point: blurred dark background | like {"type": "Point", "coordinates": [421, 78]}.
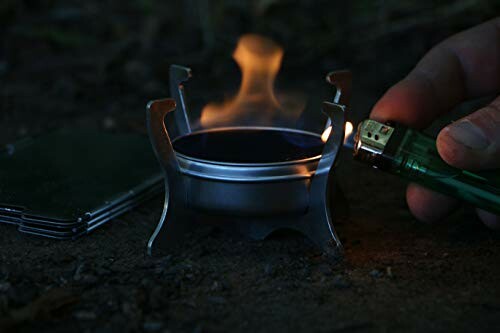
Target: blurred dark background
{"type": "Point", "coordinates": [97, 63]}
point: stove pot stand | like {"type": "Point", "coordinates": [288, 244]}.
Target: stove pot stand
{"type": "Point", "coordinates": [253, 197]}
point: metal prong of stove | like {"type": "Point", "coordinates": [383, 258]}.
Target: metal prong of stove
{"type": "Point", "coordinates": [342, 81]}
{"type": "Point", "coordinates": [179, 75]}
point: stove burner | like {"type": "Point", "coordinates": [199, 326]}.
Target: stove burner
{"type": "Point", "coordinates": [253, 180]}
{"type": "Point", "coordinates": [250, 145]}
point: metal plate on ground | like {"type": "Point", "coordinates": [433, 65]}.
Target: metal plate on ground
{"type": "Point", "coordinates": [66, 183]}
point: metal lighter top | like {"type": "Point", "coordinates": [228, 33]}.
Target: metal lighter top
{"type": "Point", "coordinates": [371, 139]}
{"type": "Point", "coordinates": [414, 156]}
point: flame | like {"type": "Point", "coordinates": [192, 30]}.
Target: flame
{"type": "Point", "coordinates": [259, 60]}
{"type": "Point", "coordinates": [347, 132]}
{"type": "Point", "coordinates": [326, 133]}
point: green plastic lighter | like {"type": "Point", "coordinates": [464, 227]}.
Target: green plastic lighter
{"type": "Point", "coordinates": [414, 156]}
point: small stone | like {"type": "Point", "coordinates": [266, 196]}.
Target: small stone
{"type": "Point", "coordinates": [10, 149]}
{"type": "Point", "coordinates": [109, 123]}
{"type": "Point", "coordinates": [375, 273]}
{"type": "Point", "coordinates": [215, 286]}
{"type": "Point", "coordinates": [78, 272]}
{"type": "Point", "coordinates": [388, 271]}
{"type": "Point", "coordinates": [269, 269]}
{"type": "Point", "coordinates": [22, 131]}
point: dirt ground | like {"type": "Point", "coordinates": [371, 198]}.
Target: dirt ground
{"type": "Point", "coordinates": [397, 275]}
{"type": "Point", "coordinates": [96, 65]}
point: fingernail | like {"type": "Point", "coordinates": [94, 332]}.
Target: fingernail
{"type": "Point", "coordinates": [468, 134]}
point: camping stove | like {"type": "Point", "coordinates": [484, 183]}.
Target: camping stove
{"type": "Point", "coordinates": [253, 180]}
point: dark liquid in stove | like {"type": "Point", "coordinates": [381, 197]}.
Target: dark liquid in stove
{"type": "Point", "coordinates": [249, 146]}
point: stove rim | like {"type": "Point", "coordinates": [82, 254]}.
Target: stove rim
{"type": "Point", "coordinates": [249, 165]}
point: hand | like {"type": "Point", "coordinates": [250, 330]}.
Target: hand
{"type": "Point", "coordinates": [464, 66]}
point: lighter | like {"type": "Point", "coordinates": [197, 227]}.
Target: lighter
{"type": "Point", "coordinates": [414, 156]}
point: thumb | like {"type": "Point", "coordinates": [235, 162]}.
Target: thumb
{"type": "Point", "coordinates": [473, 142]}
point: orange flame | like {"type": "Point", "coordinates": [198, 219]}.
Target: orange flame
{"type": "Point", "coordinates": [259, 60]}
{"type": "Point", "coordinates": [326, 133]}
{"type": "Point", "coordinates": [347, 132]}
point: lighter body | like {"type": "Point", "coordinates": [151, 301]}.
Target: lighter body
{"type": "Point", "coordinates": [413, 155]}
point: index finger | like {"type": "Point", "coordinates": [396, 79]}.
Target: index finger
{"type": "Point", "coordinates": [466, 65]}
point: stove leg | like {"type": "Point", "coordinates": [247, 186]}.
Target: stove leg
{"type": "Point", "coordinates": [320, 228]}
{"type": "Point", "coordinates": [174, 219]}
{"type": "Point", "coordinates": [316, 225]}
{"type": "Point", "coordinates": [174, 224]}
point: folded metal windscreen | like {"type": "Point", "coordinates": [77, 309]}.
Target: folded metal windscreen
{"type": "Point", "coordinates": [67, 183]}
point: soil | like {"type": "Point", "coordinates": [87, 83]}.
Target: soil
{"type": "Point", "coordinates": [397, 274]}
